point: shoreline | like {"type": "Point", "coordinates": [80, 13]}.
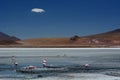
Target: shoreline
{"type": "Point", "coordinates": [60, 46]}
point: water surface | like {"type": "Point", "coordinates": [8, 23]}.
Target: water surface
{"type": "Point", "coordinates": [104, 63]}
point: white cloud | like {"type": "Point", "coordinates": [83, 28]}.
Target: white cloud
{"type": "Point", "coordinates": [38, 10]}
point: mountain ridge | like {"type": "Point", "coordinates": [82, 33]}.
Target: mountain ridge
{"type": "Point", "coordinates": [6, 39]}
{"type": "Point", "coordinates": [6, 36]}
{"type": "Point", "coordinates": [106, 38]}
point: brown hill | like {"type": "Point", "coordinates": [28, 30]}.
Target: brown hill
{"type": "Point", "coordinates": [114, 33]}
{"type": "Point", "coordinates": [104, 39]}
{"type": "Point", "coordinates": [6, 39]}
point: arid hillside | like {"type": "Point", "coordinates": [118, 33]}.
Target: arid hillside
{"type": "Point", "coordinates": [111, 38]}
{"type": "Point", "coordinates": [7, 40]}
{"type": "Point", "coordinates": [107, 39]}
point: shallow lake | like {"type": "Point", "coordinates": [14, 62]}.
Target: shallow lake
{"type": "Point", "coordinates": [104, 63]}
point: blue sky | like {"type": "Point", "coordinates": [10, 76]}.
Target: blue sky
{"type": "Point", "coordinates": [58, 18]}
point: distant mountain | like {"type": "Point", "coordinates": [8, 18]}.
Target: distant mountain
{"type": "Point", "coordinates": [3, 35]}
{"type": "Point", "coordinates": [117, 31]}
{"type": "Point", "coordinates": [6, 39]}
{"type": "Point", "coordinates": [113, 33]}
{"type": "Point", "coordinates": [109, 38]}
{"type": "Point", "coordinates": [106, 38]}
